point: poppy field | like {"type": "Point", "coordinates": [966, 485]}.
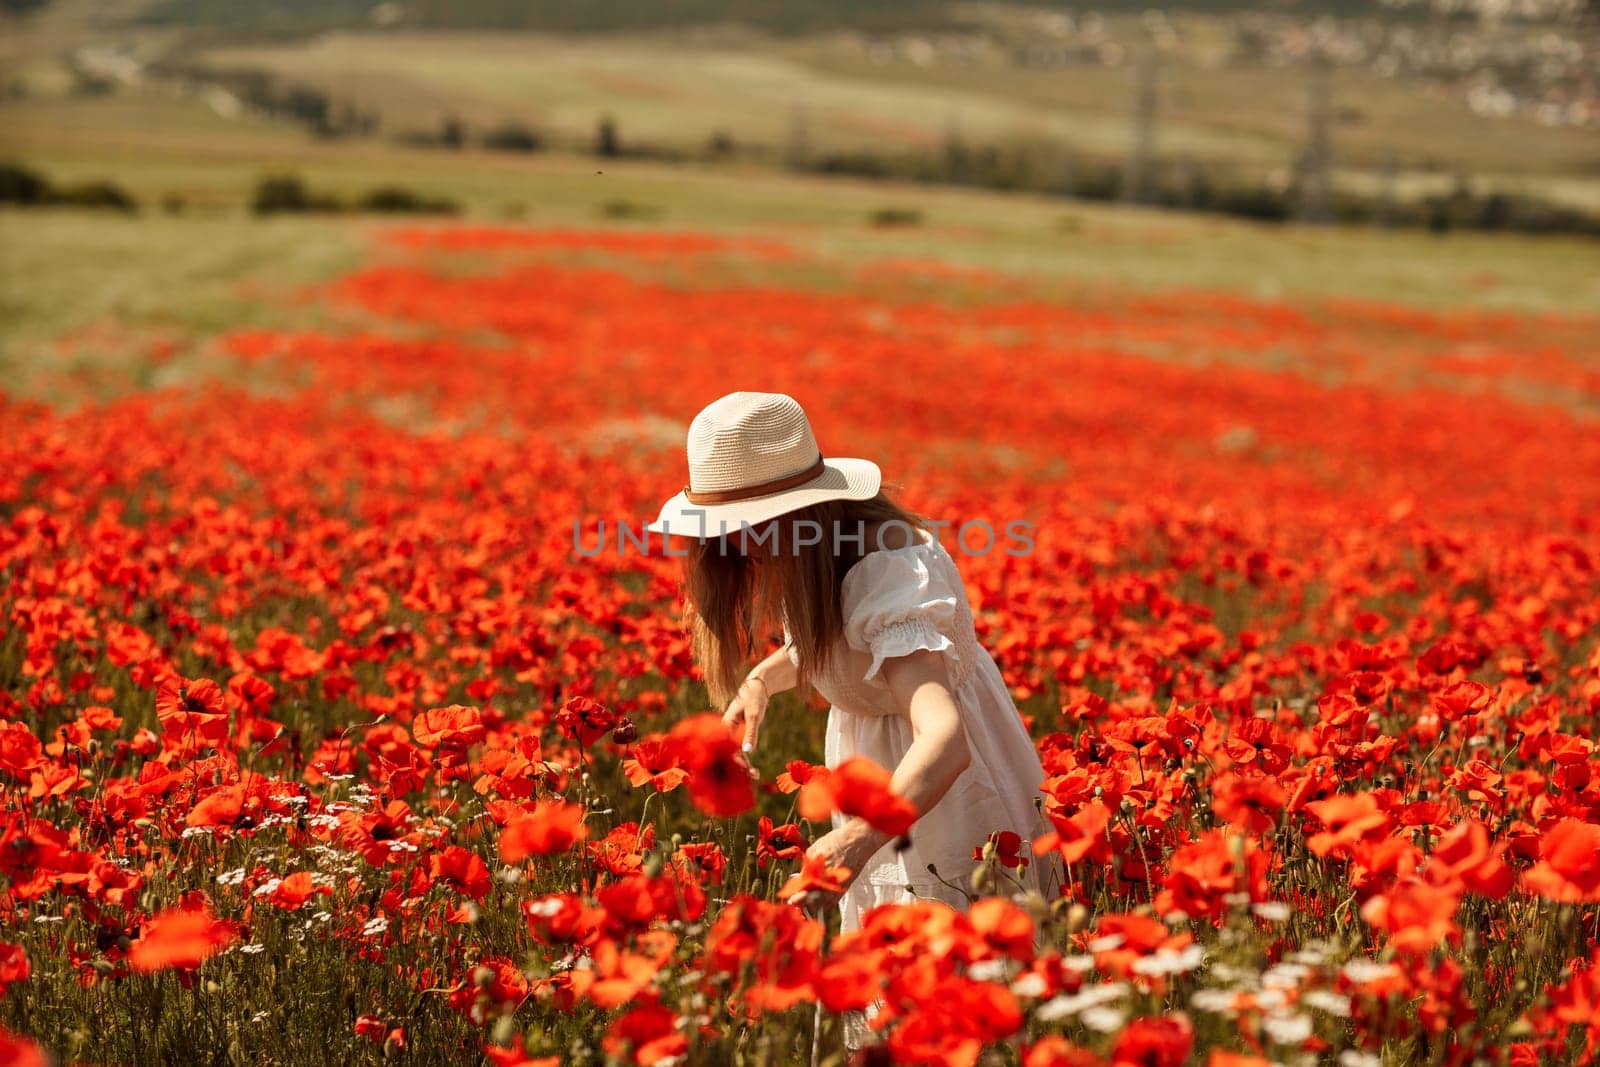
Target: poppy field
{"type": "Point", "coordinates": [338, 725]}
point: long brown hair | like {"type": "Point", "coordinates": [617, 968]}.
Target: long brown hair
{"type": "Point", "coordinates": [737, 600]}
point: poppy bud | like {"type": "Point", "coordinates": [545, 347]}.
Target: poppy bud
{"type": "Point", "coordinates": [625, 733]}
{"type": "Point", "coordinates": [1077, 919]}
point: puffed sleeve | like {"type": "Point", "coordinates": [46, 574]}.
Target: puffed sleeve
{"type": "Point", "coordinates": [896, 603]}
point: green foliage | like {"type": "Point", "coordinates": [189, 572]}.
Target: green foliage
{"type": "Point", "coordinates": [399, 200]}
{"type": "Point", "coordinates": [591, 16]}
{"type": "Point", "coordinates": [24, 186]}
{"type": "Point", "coordinates": [895, 216]}
{"type": "Point", "coordinates": [513, 137]}
{"type": "Point", "coordinates": [628, 209]}
{"type": "Point", "coordinates": [94, 194]}
{"type": "Point", "coordinates": [286, 193]}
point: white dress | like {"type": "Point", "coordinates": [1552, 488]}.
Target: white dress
{"type": "Point", "coordinates": [895, 602]}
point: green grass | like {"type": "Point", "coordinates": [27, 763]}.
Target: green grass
{"type": "Point", "coordinates": [1029, 235]}
{"type": "Point", "coordinates": [679, 89]}
{"type": "Point", "coordinates": [110, 285]}
{"type": "Point", "coordinates": [88, 300]}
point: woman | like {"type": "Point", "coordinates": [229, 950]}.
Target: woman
{"type": "Point", "coordinates": [875, 618]}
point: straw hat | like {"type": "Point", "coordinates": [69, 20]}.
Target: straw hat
{"type": "Point", "coordinates": [752, 457]}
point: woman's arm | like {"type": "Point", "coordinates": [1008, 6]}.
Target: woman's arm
{"type": "Point", "coordinates": [936, 758]}
{"type": "Point", "coordinates": [777, 671]}
{"type": "Point", "coordinates": [772, 675]}
{"type": "Point", "coordinates": [938, 752]}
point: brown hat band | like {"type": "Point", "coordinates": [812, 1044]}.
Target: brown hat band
{"type": "Point", "coordinates": [728, 496]}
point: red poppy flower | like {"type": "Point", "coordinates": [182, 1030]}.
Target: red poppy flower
{"type": "Point", "coordinates": [453, 727]}
{"type": "Point", "coordinates": [719, 783]}
{"type": "Point", "coordinates": [1348, 819]}
{"type": "Point", "coordinates": [1416, 916]}
{"type": "Point", "coordinates": [786, 842]}
{"type": "Point", "coordinates": [463, 871]}
{"type": "Point", "coordinates": [1007, 847]}
{"type": "Point", "coordinates": [647, 1034]}
{"type": "Point", "coordinates": [1057, 1051]}
{"type": "Point", "coordinates": [701, 859]}
{"type": "Point", "coordinates": [795, 774]}
{"type": "Point", "coordinates": [294, 890]}
{"type": "Point", "coordinates": [815, 876]}
{"type": "Point", "coordinates": [1479, 781]}
{"type": "Point", "coordinates": [622, 850]}
{"type": "Point", "coordinates": [193, 713]}
{"type": "Point", "coordinates": [1255, 743]}
{"type": "Point", "coordinates": [1250, 802]}
{"type": "Point", "coordinates": [652, 764]}
{"type": "Point", "coordinates": [585, 720]}
{"type": "Point", "coordinates": [1461, 699]}
{"type": "Point", "coordinates": [14, 966]}
{"type": "Point", "coordinates": [773, 946]}
{"type": "Point", "coordinates": [1465, 856]}
{"type": "Point", "coordinates": [516, 1055]}
{"type": "Point", "coordinates": [1223, 1058]}
{"type": "Point", "coordinates": [858, 786]}
{"type": "Point", "coordinates": [1078, 835]}
{"type": "Point", "coordinates": [1569, 864]}
{"type": "Point", "coordinates": [20, 750]}
{"type": "Point", "coordinates": [1160, 1041]}
{"type": "Point", "coordinates": [179, 938]}
{"type": "Point", "coordinates": [551, 826]}
{"type": "Point", "coordinates": [18, 1051]}
{"type": "Point", "coordinates": [1004, 927]}
{"type": "Point", "coordinates": [561, 918]}
{"type": "Point", "coordinates": [637, 901]}
{"type": "Point", "coordinates": [1205, 874]}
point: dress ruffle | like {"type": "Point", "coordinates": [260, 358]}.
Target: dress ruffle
{"type": "Point", "coordinates": [898, 602]}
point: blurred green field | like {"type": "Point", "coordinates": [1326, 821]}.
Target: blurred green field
{"type": "Point", "coordinates": [111, 284]}
{"type": "Point", "coordinates": [681, 89]}
{"type": "Point", "coordinates": [194, 262]}
{"type": "Point", "coordinates": [836, 91]}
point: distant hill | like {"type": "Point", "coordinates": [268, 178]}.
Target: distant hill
{"type": "Point", "coordinates": [288, 17]}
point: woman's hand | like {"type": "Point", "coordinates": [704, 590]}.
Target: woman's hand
{"type": "Point", "coordinates": [936, 759]}
{"type": "Point", "coordinates": [850, 846]}
{"type": "Point", "coordinates": [748, 709]}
